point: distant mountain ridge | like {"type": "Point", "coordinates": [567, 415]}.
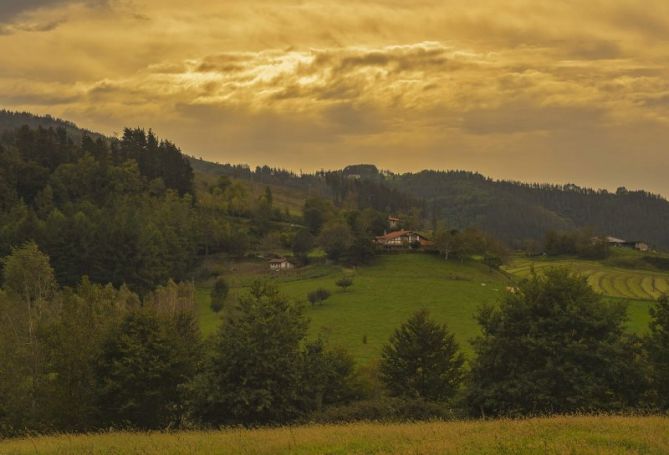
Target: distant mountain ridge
{"type": "Point", "coordinates": [513, 211]}
{"type": "Point", "coordinates": [10, 120]}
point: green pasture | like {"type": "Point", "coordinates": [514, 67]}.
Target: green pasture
{"type": "Point", "coordinates": [611, 281]}
{"type": "Point", "coordinates": [383, 296]}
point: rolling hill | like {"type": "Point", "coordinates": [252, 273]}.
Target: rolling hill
{"type": "Point", "coordinates": [513, 211]}
{"type": "Point", "coordinates": [385, 294]}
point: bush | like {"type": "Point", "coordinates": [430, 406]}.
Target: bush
{"type": "Point", "coordinates": [218, 294]}
{"type": "Point", "coordinates": [344, 283]}
{"type": "Point", "coordinates": [555, 346]}
{"type": "Point", "coordinates": [318, 296]}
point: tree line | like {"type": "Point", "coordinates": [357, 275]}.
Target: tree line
{"type": "Point", "coordinates": [93, 357]}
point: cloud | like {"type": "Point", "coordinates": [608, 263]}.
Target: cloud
{"type": "Point", "coordinates": [539, 90]}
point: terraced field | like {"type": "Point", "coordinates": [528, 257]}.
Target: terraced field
{"type": "Point", "coordinates": [607, 280]}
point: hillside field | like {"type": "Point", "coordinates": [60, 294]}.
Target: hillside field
{"type": "Point", "coordinates": [605, 279]}
{"type": "Point", "coordinates": [385, 294]}
{"type": "Point", "coordinates": [557, 435]}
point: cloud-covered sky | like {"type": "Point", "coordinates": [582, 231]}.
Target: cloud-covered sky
{"type": "Point", "coordinates": [533, 90]}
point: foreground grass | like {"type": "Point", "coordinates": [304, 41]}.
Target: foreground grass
{"type": "Point", "coordinates": [558, 435]}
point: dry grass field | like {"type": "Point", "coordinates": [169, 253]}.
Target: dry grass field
{"type": "Point", "coordinates": [557, 435]}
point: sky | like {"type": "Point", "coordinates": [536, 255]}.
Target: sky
{"type": "Point", "coordinates": [555, 91]}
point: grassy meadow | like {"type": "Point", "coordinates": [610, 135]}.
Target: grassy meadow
{"type": "Point", "coordinates": [362, 318]}
{"type": "Point", "coordinates": [556, 435]}
{"type": "Point", "coordinates": [633, 284]}
{"type": "Point", "coordinates": [383, 296]}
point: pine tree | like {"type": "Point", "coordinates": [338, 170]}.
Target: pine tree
{"type": "Point", "coordinates": [422, 360]}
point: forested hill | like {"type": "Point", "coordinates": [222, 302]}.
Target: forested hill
{"type": "Point", "coordinates": [13, 120]}
{"type": "Point", "coordinates": [517, 211]}
{"type": "Point", "coordinates": [513, 211]}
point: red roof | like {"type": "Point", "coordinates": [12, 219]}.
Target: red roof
{"type": "Point", "coordinates": [400, 233]}
{"type": "Point", "coordinates": [393, 235]}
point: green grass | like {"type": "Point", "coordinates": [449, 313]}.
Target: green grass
{"type": "Point", "coordinates": [382, 297]}
{"type": "Point", "coordinates": [557, 435]}
{"type": "Point", "coordinates": [606, 279]}
{"type": "Point", "coordinates": [637, 288]}
{"type": "Point", "coordinates": [385, 294]}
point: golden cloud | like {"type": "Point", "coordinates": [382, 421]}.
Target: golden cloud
{"type": "Point", "coordinates": [533, 90]}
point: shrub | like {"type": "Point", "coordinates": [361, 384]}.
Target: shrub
{"type": "Point", "coordinates": [318, 296]}
{"type": "Point", "coordinates": [344, 283]}
{"type": "Point", "coordinates": [218, 294]}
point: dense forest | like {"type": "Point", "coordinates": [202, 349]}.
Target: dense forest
{"type": "Point", "coordinates": [118, 211]}
{"type": "Point", "coordinates": [517, 211]}
{"type": "Point", "coordinates": [512, 211]}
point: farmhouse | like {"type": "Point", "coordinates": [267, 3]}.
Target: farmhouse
{"type": "Point", "coordinates": [634, 244]}
{"type": "Point", "coordinates": [279, 264]}
{"type": "Point", "coordinates": [403, 239]}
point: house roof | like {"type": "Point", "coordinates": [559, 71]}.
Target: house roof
{"type": "Point", "coordinates": [614, 240]}
{"type": "Point", "coordinates": [393, 218]}
{"type": "Point", "coordinates": [396, 234]}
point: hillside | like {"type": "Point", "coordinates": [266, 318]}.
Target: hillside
{"type": "Point", "coordinates": [558, 435]}
{"type": "Point", "coordinates": [517, 211]}
{"type": "Point", "coordinates": [362, 318]}
{"type": "Point", "coordinates": [11, 120]}
{"type": "Point", "coordinates": [513, 211]}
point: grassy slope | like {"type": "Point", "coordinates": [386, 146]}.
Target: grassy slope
{"type": "Point", "coordinates": [637, 288]}
{"type": "Point", "coordinates": [558, 435]}
{"type": "Point", "coordinates": [385, 294]}
{"type": "Point", "coordinates": [381, 298]}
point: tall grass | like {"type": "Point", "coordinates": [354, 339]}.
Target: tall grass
{"type": "Point", "coordinates": [556, 435]}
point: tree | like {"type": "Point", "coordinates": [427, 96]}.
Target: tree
{"type": "Point", "coordinates": [140, 375]}
{"type": "Point", "coordinates": [493, 262]}
{"type": "Point", "coordinates": [344, 282]}
{"type": "Point", "coordinates": [318, 296]}
{"type": "Point", "coordinates": [219, 294]}
{"type": "Point", "coordinates": [554, 346]}
{"type": "Point", "coordinates": [335, 238]}
{"type": "Point", "coordinates": [303, 242]}
{"type": "Point", "coordinates": [329, 376]}
{"type": "Point", "coordinates": [657, 348]}
{"type": "Point", "coordinates": [316, 212]}
{"type": "Point", "coordinates": [29, 281]}
{"type": "Point", "coordinates": [253, 375]}
{"type": "Point", "coordinates": [422, 360]}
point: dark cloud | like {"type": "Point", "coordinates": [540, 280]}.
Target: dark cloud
{"type": "Point", "coordinates": [12, 14]}
{"type": "Point", "coordinates": [11, 9]}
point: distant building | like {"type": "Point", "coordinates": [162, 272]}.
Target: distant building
{"type": "Point", "coordinates": [640, 246]}
{"type": "Point", "coordinates": [613, 241]}
{"type": "Point", "coordinates": [279, 264]}
{"type": "Point", "coordinates": [403, 239]}
{"type": "Point", "coordinates": [393, 222]}
{"type": "Point", "coordinates": [634, 244]}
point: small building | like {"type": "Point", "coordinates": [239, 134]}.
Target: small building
{"type": "Point", "coordinates": [614, 241]}
{"type": "Point", "coordinates": [637, 245]}
{"type": "Point", "coordinates": [279, 264]}
{"type": "Point", "coordinates": [403, 240]}
{"type": "Point", "coordinates": [634, 244]}
{"type": "Point", "coordinates": [393, 222]}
